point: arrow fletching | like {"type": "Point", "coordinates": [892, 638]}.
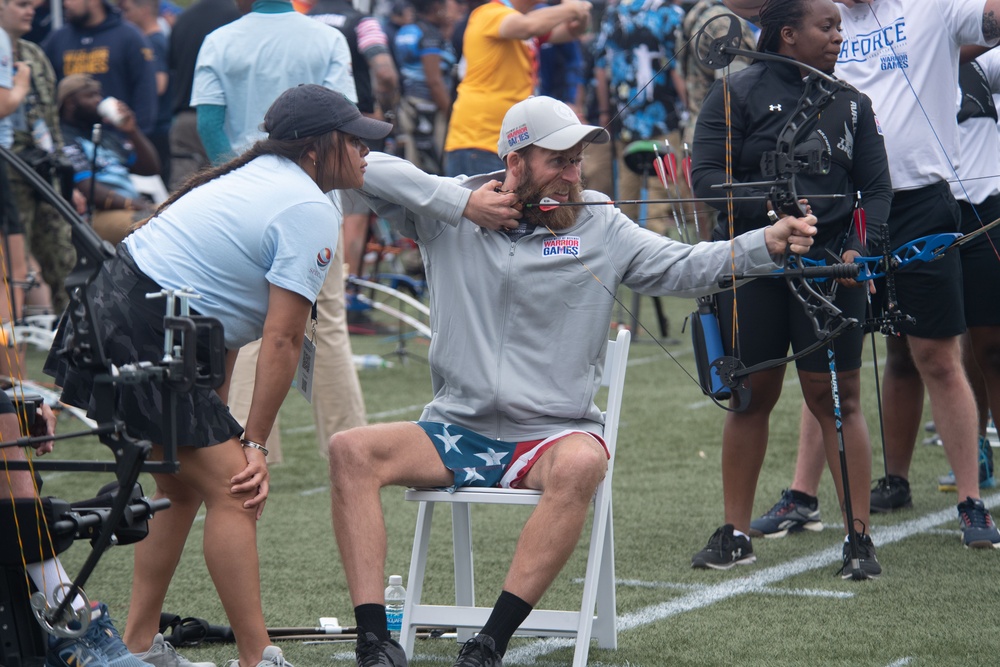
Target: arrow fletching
{"type": "Point", "coordinates": [670, 162]}
{"type": "Point", "coordinates": [860, 225]}
{"type": "Point", "coordinates": [658, 167]}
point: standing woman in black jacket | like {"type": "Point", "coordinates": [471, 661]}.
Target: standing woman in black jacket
{"type": "Point", "coordinates": [761, 99]}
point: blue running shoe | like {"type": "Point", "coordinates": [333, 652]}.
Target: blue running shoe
{"type": "Point", "coordinates": [73, 652]}
{"type": "Point", "coordinates": [103, 635]}
{"type": "Point", "coordinates": [788, 515]}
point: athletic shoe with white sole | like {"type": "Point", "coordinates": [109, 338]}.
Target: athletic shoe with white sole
{"type": "Point", "coordinates": [724, 550]}
{"type": "Point", "coordinates": [162, 654]}
{"type": "Point", "coordinates": [789, 515]}
{"type": "Point", "coordinates": [270, 657]}
{"type": "Point", "coordinates": [978, 529]}
{"type": "Point", "coordinates": [867, 567]}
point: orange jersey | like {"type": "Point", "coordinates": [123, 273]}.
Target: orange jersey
{"type": "Point", "coordinates": [499, 73]}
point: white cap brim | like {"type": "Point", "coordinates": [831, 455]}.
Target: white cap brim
{"type": "Point", "coordinates": [568, 137]}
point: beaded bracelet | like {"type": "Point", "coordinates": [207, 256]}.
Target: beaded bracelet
{"type": "Point", "coordinates": [254, 445]}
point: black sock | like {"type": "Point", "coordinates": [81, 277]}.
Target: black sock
{"type": "Point", "coordinates": [371, 618]}
{"type": "Point", "coordinates": [805, 498]}
{"type": "Point", "coordinates": [508, 614]}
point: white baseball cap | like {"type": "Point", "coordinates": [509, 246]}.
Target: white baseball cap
{"type": "Point", "coordinates": [545, 122]}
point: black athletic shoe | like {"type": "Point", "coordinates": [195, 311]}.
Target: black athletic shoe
{"type": "Point", "coordinates": [868, 567]}
{"type": "Point", "coordinates": [373, 652]}
{"type": "Point", "coordinates": [890, 493]}
{"type": "Point", "coordinates": [978, 529]}
{"type": "Point", "coordinates": [724, 550]}
{"type": "Point", "coordinates": [480, 651]}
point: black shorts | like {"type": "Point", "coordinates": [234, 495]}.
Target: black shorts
{"type": "Point", "coordinates": [929, 292]}
{"type": "Point", "coordinates": [130, 328]}
{"type": "Point", "coordinates": [771, 319]}
{"type": "Point", "coordinates": [981, 264]}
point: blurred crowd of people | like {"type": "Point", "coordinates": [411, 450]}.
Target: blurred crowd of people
{"type": "Point", "coordinates": [427, 66]}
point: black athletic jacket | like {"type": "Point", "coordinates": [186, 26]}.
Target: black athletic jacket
{"type": "Point", "coordinates": [763, 97]}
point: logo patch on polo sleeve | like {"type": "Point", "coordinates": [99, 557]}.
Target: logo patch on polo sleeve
{"type": "Point", "coordinates": [323, 258]}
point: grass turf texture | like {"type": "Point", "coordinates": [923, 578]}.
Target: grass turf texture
{"type": "Point", "coordinates": [936, 603]}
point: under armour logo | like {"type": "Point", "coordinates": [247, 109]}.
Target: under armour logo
{"type": "Point", "coordinates": [774, 107]}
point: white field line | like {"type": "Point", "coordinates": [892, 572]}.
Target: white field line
{"type": "Point", "coordinates": [755, 582]}
{"type": "Point", "coordinates": [900, 662]}
{"type": "Point", "coordinates": [803, 592]}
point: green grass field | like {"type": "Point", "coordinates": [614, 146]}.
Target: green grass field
{"type": "Point", "coordinates": [937, 604]}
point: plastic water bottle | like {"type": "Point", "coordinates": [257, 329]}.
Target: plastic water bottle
{"type": "Point", "coordinates": [370, 361]}
{"type": "Point", "coordinates": [395, 597]}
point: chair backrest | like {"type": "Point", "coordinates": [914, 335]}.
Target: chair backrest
{"type": "Point", "coordinates": [615, 360]}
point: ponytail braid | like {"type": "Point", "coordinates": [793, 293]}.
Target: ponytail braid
{"type": "Point", "coordinates": [775, 15]}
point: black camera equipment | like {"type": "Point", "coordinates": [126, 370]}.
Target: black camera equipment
{"type": "Point", "coordinates": [114, 516]}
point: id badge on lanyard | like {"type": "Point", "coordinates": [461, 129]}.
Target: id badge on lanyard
{"type": "Point", "coordinates": [307, 358]}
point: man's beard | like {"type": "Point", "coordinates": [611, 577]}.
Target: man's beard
{"type": "Point", "coordinates": [558, 218]}
{"type": "Point", "coordinates": [79, 20]}
{"type": "Point", "coordinates": [86, 118]}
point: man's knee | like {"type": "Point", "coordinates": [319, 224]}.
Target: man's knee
{"type": "Point", "coordinates": [938, 359]}
{"type": "Point", "coordinates": [986, 354]}
{"type": "Point", "coordinates": [899, 361]}
{"type": "Point", "coordinates": [579, 466]}
{"type": "Point", "coordinates": [349, 455]}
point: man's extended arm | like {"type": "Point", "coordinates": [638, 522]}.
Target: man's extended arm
{"type": "Point", "coordinates": [386, 81]}
{"type": "Point", "coordinates": [541, 21]}
{"type": "Point", "coordinates": [11, 98]}
{"type": "Point", "coordinates": [399, 183]}
{"type": "Point", "coordinates": [991, 20]}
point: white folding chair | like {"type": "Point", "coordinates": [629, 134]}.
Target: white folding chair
{"type": "Point", "coordinates": [599, 581]}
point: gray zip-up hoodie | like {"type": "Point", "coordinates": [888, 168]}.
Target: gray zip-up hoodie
{"type": "Point", "coordinates": [519, 328]}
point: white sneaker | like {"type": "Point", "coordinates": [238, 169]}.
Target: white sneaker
{"type": "Point", "coordinates": [271, 657]}
{"type": "Point", "coordinates": [162, 654]}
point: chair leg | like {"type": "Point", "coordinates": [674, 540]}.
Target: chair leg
{"type": "Point", "coordinates": [465, 586]}
{"type": "Point", "coordinates": [600, 546]}
{"type": "Point", "coordinates": [415, 582]}
{"type": "Point", "coordinates": [606, 627]}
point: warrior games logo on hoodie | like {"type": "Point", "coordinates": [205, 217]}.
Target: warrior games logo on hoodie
{"type": "Point", "coordinates": [564, 245]}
